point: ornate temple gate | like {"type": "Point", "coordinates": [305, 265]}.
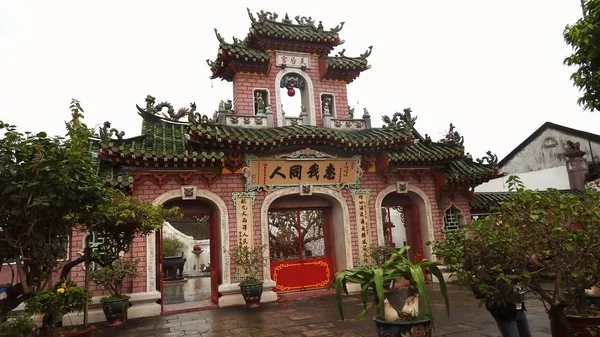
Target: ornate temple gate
{"type": "Point", "coordinates": [300, 248]}
{"type": "Point", "coordinates": [406, 215]}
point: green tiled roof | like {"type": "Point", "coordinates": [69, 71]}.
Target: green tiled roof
{"type": "Point", "coordinates": [271, 138]}
{"type": "Point", "coordinates": [162, 141]}
{"type": "Point", "coordinates": [344, 68]}
{"type": "Point", "coordinates": [484, 201]}
{"type": "Point", "coordinates": [303, 29]}
{"type": "Point", "coordinates": [238, 53]}
{"type": "Point", "coordinates": [426, 153]}
{"type": "Point", "coordinates": [468, 171]}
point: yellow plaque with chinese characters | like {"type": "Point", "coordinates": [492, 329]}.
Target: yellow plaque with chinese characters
{"type": "Point", "coordinates": [291, 170]}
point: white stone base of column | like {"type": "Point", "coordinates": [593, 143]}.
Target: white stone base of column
{"type": "Point", "coordinates": [143, 305]}
{"type": "Point", "coordinates": [231, 294]}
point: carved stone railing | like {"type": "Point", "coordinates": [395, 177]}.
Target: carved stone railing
{"type": "Point", "coordinates": [293, 121]}
{"type": "Point", "coordinates": [251, 121]}
{"type": "Point", "coordinates": [348, 124]}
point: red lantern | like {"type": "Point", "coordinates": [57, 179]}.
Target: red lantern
{"type": "Point", "coordinates": [291, 92]}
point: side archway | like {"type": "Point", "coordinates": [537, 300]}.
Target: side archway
{"type": "Point", "coordinates": [345, 259]}
{"type": "Point", "coordinates": [209, 197]}
{"type": "Point", "coordinates": [310, 91]}
{"type": "Point", "coordinates": [427, 217]}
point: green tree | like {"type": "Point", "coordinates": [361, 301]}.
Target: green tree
{"type": "Point", "coordinates": [584, 38]}
{"type": "Point", "coordinates": [48, 185]}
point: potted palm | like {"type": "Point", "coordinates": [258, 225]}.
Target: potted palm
{"type": "Point", "coordinates": [532, 239]}
{"type": "Point", "coordinates": [111, 278]}
{"type": "Point", "coordinates": [409, 321]}
{"type": "Point", "coordinates": [63, 298]}
{"type": "Point", "coordinates": [250, 261]}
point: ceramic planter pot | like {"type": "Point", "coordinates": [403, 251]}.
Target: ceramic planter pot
{"type": "Point", "coordinates": [416, 328]}
{"type": "Point", "coordinates": [115, 310]}
{"type": "Point", "coordinates": [583, 326]}
{"type": "Point", "coordinates": [252, 293]}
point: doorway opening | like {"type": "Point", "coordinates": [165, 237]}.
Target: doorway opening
{"type": "Point", "coordinates": [300, 244]}
{"type": "Point", "coordinates": [189, 258]}
{"type": "Point", "coordinates": [402, 225]}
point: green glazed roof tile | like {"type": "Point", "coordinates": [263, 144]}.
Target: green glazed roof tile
{"type": "Point", "coordinates": [468, 171]}
{"type": "Point", "coordinates": [422, 153]}
{"type": "Point", "coordinates": [270, 136]}
{"type": "Point", "coordinates": [483, 201]}
{"type": "Point", "coordinates": [305, 33]}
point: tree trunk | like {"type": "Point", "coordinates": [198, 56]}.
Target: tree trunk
{"type": "Point", "coordinates": [558, 317]}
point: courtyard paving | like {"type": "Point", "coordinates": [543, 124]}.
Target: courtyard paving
{"type": "Point", "coordinates": [318, 316]}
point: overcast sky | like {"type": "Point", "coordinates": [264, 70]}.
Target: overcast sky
{"type": "Point", "coordinates": [493, 68]}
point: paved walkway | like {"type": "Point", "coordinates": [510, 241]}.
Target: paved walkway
{"type": "Point", "coordinates": [318, 316]}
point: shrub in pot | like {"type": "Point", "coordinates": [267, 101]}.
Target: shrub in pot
{"type": "Point", "coordinates": [63, 298]}
{"type": "Point", "coordinates": [409, 321]}
{"type": "Point", "coordinates": [528, 239]}
{"type": "Point", "coordinates": [250, 261]}
{"type": "Point", "coordinates": [111, 278]}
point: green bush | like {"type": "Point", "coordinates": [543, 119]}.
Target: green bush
{"type": "Point", "coordinates": [170, 245]}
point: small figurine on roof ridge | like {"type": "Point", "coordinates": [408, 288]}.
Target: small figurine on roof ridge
{"type": "Point", "coordinates": [106, 132]}
{"type": "Point", "coordinates": [350, 112]}
{"type": "Point", "coordinates": [489, 159]}
{"type": "Point", "coordinates": [400, 121]}
{"type": "Point", "coordinates": [453, 137]}
{"type": "Point", "coordinates": [154, 110]}
{"type": "Point", "coordinates": [573, 146]}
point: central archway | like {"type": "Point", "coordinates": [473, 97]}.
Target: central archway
{"type": "Point", "coordinates": [341, 225]}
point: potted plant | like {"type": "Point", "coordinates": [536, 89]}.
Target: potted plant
{"type": "Point", "coordinates": [530, 239]}
{"type": "Point", "coordinates": [63, 298]}
{"type": "Point", "coordinates": [171, 260]}
{"type": "Point", "coordinates": [409, 321]}
{"type": "Point", "coordinates": [111, 278]}
{"type": "Point", "coordinates": [379, 254]}
{"type": "Point", "coordinates": [19, 325]}
{"type": "Point", "coordinates": [250, 261]}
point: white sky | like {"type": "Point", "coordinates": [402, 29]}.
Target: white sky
{"type": "Point", "coordinates": [493, 68]}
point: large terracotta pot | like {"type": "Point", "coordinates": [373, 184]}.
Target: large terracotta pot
{"type": "Point", "coordinates": [583, 326]}
{"type": "Point", "coordinates": [79, 333]}
{"type": "Point", "coordinates": [115, 310]}
{"type": "Point", "coordinates": [416, 328]}
{"type": "Point", "coordinates": [252, 293]}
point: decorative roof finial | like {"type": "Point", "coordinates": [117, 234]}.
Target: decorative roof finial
{"type": "Point", "coordinates": [337, 28]}
{"type": "Point", "coordinates": [341, 53]}
{"type": "Point", "coordinates": [305, 20]}
{"type": "Point", "coordinates": [250, 15]}
{"type": "Point", "coordinates": [367, 53]}
{"type": "Point", "coordinates": [286, 19]}
{"type": "Point", "coordinates": [400, 121]}
{"type": "Point", "coordinates": [320, 27]}
{"type": "Point", "coordinates": [453, 137]}
{"type": "Point", "coordinates": [219, 37]}
{"type": "Point", "coordinates": [106, 132]}
{"type": "Point", "coordinates": [490, 159]}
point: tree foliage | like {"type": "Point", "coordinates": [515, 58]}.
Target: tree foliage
{"type": "Point", "coordinates": [532, 236]}
{"type": "Point", "coordinates": [584, 38]}
{"type": "Point", "coordinates": [47, 184]}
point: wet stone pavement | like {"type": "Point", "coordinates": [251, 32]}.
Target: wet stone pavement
{"type": "Point", "coordinates": [318, 316]}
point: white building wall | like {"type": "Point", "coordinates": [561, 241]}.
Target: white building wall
{"type": "Point", "coordinates": [555, 177]}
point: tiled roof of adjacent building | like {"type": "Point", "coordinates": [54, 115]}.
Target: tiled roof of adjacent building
{"type": "Point", "coordinates": [484, 201]}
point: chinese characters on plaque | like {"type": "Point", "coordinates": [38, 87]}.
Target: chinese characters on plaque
{"type": "Point", "coordinates": [361, 204]}
{"type": "Point", "coordinates": [293, 172]}
{"type": "Point", "coordinates": [293, 60]}
{"type": "Point", "coordinates": [244, 215]}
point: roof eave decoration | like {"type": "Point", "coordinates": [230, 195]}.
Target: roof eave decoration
{"type": "Point", "coordinates": [344, 68]}
{"type": "Point", "coordinates": [237, 57]}
{"type": "Point", "coordinates": [154, 113]}
{"type": "Point", "coordinates": [400, 121]}
{"type": "Point", "coordinates": [303, 36]}
{"type": "Point", "coordinates": [452, 137]}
